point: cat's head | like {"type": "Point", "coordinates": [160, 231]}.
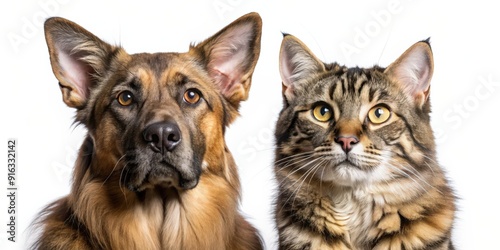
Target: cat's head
{"type": "Point", "coordinates": [354, 125]}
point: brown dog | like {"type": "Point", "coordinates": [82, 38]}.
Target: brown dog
{"type": "Point", "coordinates": [154, 171]}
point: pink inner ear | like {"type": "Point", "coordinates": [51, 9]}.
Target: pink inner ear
{"type": "Point", "coordinates": [285, 69]}
{"type": "Point", "coordinates": [227, 71]}
{"type": "Point", "coordinates": [286, 72]}
{"type": "Point", "coordinates": [413, 71]}
{"type": "Point", "coordinates": [76, 73]}
{"type": "Point", "coordinates": [226, 84]}
{"type": "Point", "coordinates": [229, 58]}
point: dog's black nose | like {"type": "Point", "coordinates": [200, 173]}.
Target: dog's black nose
{"type": "Point", "coordinates": [162, 135]}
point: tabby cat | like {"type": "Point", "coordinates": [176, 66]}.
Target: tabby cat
{"type": "Point", "coordinates": [355, 160]}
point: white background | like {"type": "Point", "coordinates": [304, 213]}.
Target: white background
{"type": "Point", "coordinates": [465, 89]}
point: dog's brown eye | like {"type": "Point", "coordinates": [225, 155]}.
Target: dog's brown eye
{"type": "Point", "coordinates": [125, 98]}
{"type": "Point", "coordinates": [192, 96]}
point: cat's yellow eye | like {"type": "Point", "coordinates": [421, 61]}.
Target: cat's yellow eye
{"type": "Point", "coordinates": [125, 98]}
{"type": "Point", "coordinates": [379, 114]}
{"type": "Point", "coordinates": [322, 112]}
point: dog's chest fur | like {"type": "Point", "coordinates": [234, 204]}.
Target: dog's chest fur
{"type": "Point", "coordinates": [160, 219]}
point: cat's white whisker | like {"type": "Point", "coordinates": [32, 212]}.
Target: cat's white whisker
{"type": "Point", "coordinates": [407, 175]}
{"type": "Point", "coordinates": [309, 172]}
{"type": "Point", "coordinates": [292, 157]}
{"type": "Point", "coordinates": [295, 182]}
{"type": "Point", "coordinates": [295, 163]}
{"type": "Point", "coordinates": [408, 171]}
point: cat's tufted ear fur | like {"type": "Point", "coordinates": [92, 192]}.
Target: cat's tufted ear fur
{"type": "Point", "coordinates": [297, 64]}
{"type": "Point", "coordinates": [412, 71]}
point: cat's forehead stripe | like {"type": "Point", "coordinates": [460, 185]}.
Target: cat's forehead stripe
{"type": "Point", "coordinates": [349, 83]}
{"type": "Point", "coordinates": [371, 94]}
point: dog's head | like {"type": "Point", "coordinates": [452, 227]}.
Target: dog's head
{"type": "Point", "coordinates": [155, 119]}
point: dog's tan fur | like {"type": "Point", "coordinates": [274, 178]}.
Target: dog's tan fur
{"type": "Point", "coordinates": [101, 212]}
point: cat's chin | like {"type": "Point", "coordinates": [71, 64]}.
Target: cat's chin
{"type": "Point", "coordinates": [345, 174]}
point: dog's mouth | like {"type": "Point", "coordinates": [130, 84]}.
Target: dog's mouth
{"type": "Point", "coordinates": [163, 175]}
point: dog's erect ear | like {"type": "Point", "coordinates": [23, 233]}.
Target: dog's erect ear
{"type": "Point", "coordinates": [412, 71]}
{"type": "Point", "coordinates": [78, 59]}
{"type": "Point", "coordinates": [231, 55]}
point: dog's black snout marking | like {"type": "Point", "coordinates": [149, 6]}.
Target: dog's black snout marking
{"type": "Point", "coordinates": [162, 135]}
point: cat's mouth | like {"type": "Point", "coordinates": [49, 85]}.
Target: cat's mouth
{"type": "Point", "coordinates": [355, 161]}
{"type": "Point", "coordinates": [347, 161]}
{"type": "Point", "coordinates": [348, 164]}
{"type": "Point", "coordinates": [345, 173]}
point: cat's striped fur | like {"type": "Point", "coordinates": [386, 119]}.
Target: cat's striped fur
{"type": "Point", "coordinates": [355, 159]}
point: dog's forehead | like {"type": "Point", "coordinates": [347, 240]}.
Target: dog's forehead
{"type": "Point", "coordinates": [160, 67]}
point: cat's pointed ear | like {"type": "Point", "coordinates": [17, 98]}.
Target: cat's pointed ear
{"type": "Point", "coordinates": [231, 55]}
{"type": "Point", "coordinates": [77, 57]}
{"type": "Point", "coordinates": [297, 63]}
{"type": "Point", "coordinates": [413, 71]}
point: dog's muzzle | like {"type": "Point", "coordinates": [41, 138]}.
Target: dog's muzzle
{"type": "Point", "coordinates": [169, 161]}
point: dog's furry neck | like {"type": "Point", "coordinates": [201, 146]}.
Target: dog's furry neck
{"type": "Point", "coordinates": [113, 217]}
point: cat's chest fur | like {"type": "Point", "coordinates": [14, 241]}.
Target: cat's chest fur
{"type": "Point", "coordinates": [352, 211]}
{"type": "Point", "coordinates": [363, 214]}
{"type": "Point", "coordinates": [354, 216]}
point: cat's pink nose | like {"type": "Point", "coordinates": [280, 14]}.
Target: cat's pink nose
{"type": "Point", "coordinates": [347, 142]}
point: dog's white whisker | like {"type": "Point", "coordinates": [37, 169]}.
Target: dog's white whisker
{"type": "Point", "coordinates": [113, 170]}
